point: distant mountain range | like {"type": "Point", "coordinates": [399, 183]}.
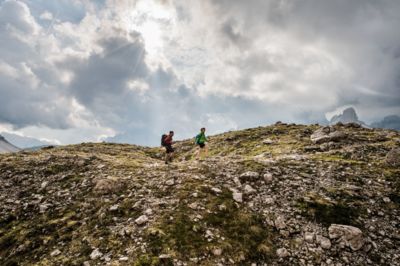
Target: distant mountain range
{"type": "Point", "coordinates": [13, 143]}
{"type": "Point", "coordinates": [6, 147]}
{"type": "Point", "coordinates": [389, 122]}
{"type": "Point", "coordinates": [349, 115]}
{"type": "Point", "coordinates": [24, 142]}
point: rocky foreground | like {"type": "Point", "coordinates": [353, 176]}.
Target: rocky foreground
{"type": "Point", "coordinates": [277, 195]}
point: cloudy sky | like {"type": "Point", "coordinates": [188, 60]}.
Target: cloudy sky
{"type": "Point", "coordinates": [128, 70]}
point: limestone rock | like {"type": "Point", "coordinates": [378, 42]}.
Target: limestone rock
{"type": "Point", "coordinates": [327, 134]}
{"type": "Point", "coordinates": [238, 197]}
{"type": "Point", "coordinates": [249, 189]}
{"type": "Point", "coordinates": [170, 182]}
{"type": "Point", "coordinates": [267, 141]}
{"type": "Point", "coordinates": [249, 176]}
{"type": "Point", "coordinates": [309, 237]}
{"type": "Point", "coordinates": [282, 253]}
{"type": "Point", "coordinates": [393, 157]}
{"type": "Point", "coordinates": [108, 185]}
{"type": "Point", "coordinates": [268, 178]}
{"type": "Point", "coordinates": [55, 253]}
{"type": "Point", "coordinates": [142, 220]}
{"type": "Point", "coordinates": [349, 235]}
{"type": "Point", "coordinates": [96, 254]}
{"type": "Point", "coordinates": [217, 252]}
{"type": "Point", "coordinates": [324, 242]}
{"type": "Point", "coordinates": [280, 222]}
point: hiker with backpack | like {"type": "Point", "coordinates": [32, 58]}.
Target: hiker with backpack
{"type": "Point", "coordinates": [166, 141]}
{"type": "Point", "coordinates": [201, 142]}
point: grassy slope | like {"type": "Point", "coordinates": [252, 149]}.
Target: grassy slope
{"type": "Point", "coordinates": [79, 219]}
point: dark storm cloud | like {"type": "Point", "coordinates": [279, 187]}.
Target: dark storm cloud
{"type": "Point", "coordinates": [107, 73]}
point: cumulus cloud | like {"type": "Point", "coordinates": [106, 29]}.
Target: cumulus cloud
{"type": "Point", "coordinates": [129, 70]}
{"type": "Point", "coordinates": [306, 54]}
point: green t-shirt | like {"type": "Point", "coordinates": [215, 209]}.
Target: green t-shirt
{"type": "Point", "coordinates": [201, 138]}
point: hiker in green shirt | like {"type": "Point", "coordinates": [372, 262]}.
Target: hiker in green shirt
{"type": "Point", "coordinates": [201, 142]}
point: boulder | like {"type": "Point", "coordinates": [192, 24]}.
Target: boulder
{"type": "Point", "coordinates": [309, 237]}
{"type": "Point", "coordinates": [324, 242]}
{"type": "Point", "coordinates": [108, 185]}
{"type": "Point", "coordinates": [238, 197]}
{"type": "Point", "coordinates": [280, 222]}
{"type": "Point", "coordinates": [282, 253]}
{"type": "Point", "coordinates": [249, 189]}
{"type": "Point", "coordinates": [55, 253]}
{"type": "Point", "coordinates": [393, 157]}
{"type": "Point", "coordinates": [348, 235]}
{"type": "Point", "coordinates": [267, 141]}
{"type": "Point", "coordinates": [268, 178]}
{"type": "Point", "coordinates": [249, 176]}
{"type": "Point", "coordinates": [96, 254]}
{"type": "Point", "coordinates": [327, 134]}
{"type": "Point", "coordinates": [141, 220]}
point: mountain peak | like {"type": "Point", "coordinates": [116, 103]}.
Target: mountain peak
{"type": "Point", "coordinates": [349, 115]}
{"type": "Point", "coordinates": [6, 147]}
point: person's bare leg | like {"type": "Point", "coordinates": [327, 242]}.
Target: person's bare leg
{"type": "Point", "coordinates": [197, 153]}
{"type": "Point", "coordinates": [202, 153]}
{"type": "Point", "coordinates": [206, 150]}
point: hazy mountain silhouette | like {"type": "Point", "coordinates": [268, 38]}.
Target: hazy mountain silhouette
{"type": "Point", "coordinates": [389, 122]}
{"type": "Point", "coordinates": [6, 147]}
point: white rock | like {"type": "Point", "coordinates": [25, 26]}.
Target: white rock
{"type": "Point", "coordinates": [44, 184]}
{"type": "Point", "coordinates": [216, 190]}
{"type": "Point", "coordinates": [249, 176]}
{"type": "Point", "coordinates": [114, 207]}
{"type": "Point", "coordinates": [217, 252]}
{"type": "Point", "coordinates": [170, 182]}
{"type": "Point", "coordinates": [309, 237]}
{"type": "Point", "coordinates": [100, 166]}
{"type": "Point", "coordinates": [43, 208]}
{"type": "Point", "coordinates": [193, 205]}
{"type": "Point", "coordinates": [269, 200]}
{"type": "Point", "coordinates": [268, 141]}
{"type": "Point", "coordinates": [324, 242]}
{"type": "Point", "coordinates": [124, 259]}
{"type": "Point", "coordinates": [386, 199]}
{"type": "Point", "coordinates": [86, 263]}
{"type": "Point", "coordinates": [249, 189]}
{"type": "Point", "coordinates": [55, 253]}
{"type": "Point", "coordinates": [280, 222]}
{"type": "Point", "coordinates": [238, 197]}
{"type": "Point", "coordinates": [268, 177]}
{"type": "Point", "coordinates": [282, 253]}
{"type": "Point", "coordinates": [95, 254]}
{"type": "Point", "coordinates": [209, 234]}
{"type": "Point", "coordinates": [142, 220]}
{"type": "Point", "coordinates": [148, 212]}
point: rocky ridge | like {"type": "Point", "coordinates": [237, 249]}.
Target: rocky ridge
{"type": "Point", "coordinates": [276, 195]}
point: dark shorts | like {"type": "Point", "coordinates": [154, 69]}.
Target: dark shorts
{"type": "Point", "coordinates": [201, 145]}
{"type": "Point", "coordinates": [169, 149]}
